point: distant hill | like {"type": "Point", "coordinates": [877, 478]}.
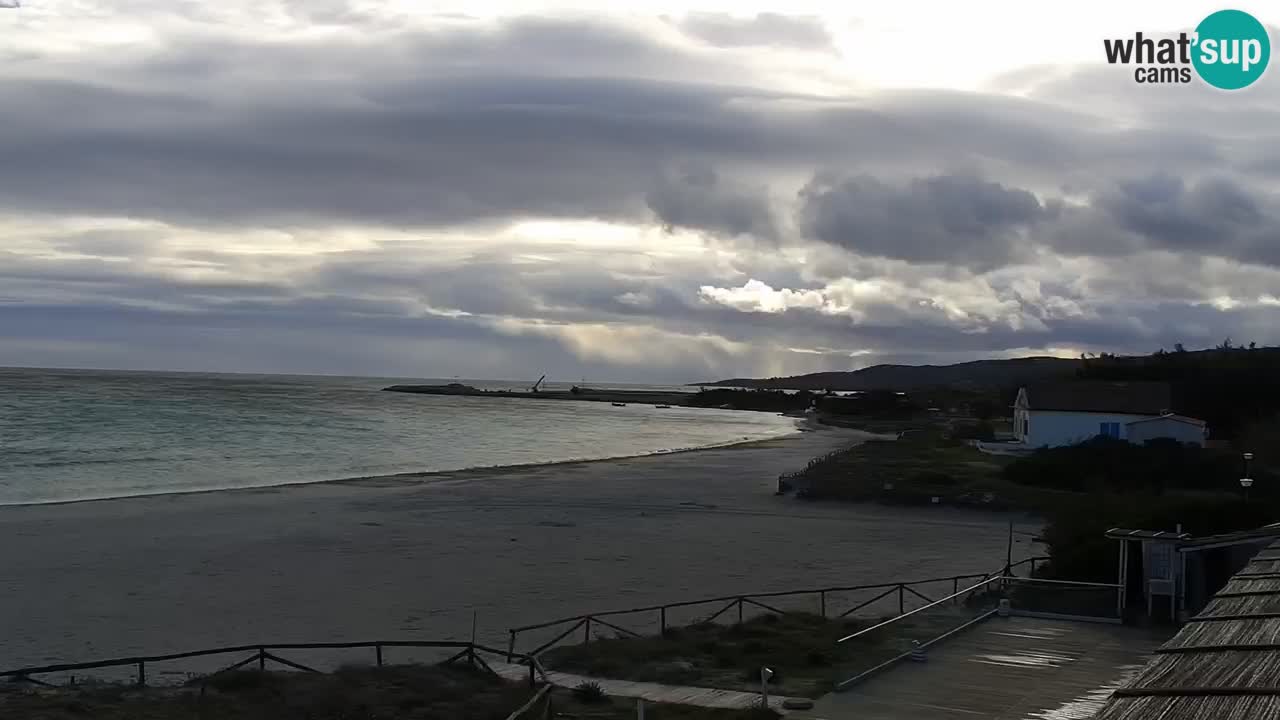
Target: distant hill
{"type": "Point", "coordinates": [979, 374]}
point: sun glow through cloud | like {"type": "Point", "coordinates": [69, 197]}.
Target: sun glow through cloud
{"type": "Point", "coordinates": [647, 190]}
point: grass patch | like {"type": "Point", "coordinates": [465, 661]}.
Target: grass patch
{"type": "Point", "coordinates": [918, 467]}
{"type": "Point", "coordinates": [590, 693]}
{"type": "Point", "coordinates": [402, 691]}
{"type": "Point", "coordinates": [800, 648]}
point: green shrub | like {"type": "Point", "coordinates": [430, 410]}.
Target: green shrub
{"type": "Point", "coordinates": [590, 693]}
{"type": "Point", "coordinates": [818, 658]}
{"type": "Point", "coordinates": [981, 430]}
{"type": "Point", "coordinates": [1075, 531]}
{"type": "Point", "coordinates": [752, 675]}
{"type": "Point", "coordinates": [1119, 466]}
{"type": "Point", "coordinates": [933, 477]}
{"type": "Point", "coordinates": [238, 680]}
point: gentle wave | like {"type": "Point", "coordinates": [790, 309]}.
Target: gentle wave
{"type": "Point", "coordinates": [77, 435]}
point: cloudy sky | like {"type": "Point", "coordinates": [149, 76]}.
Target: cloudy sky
{"type": "Point", "coordinates": [657, 192]}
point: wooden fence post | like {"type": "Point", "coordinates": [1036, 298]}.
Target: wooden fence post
{"type": "Point", "coordinates": [902, 605]}
{"type": "Point", "coordinates": [511, 648]}
{"type": "Point", "coordinates": [822, 602]}
{"type": "Point", "coordinates": [739, 611]}
{"type": "Point", "coordinates": [262, 658]}
{"type": "Point", "coordinates": [142, 674]}
{"type": "Point", "coordinates": [662, 619]}
{"type": "Point", "coordinates": [586, 634]}
{"type": "Point", "coordinates": [378, 649]}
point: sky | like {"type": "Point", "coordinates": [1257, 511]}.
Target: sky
{"type": "Point", "coordinates": [657, 191]}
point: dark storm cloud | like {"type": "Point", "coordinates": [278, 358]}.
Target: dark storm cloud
{"type": "Point", "coordinates": [943, 218]}
{"type": "Point", "coordinates": [428, 128]}
{"type": "Point", "coordinates": [698, 198]}
{"type": "Point", "coordinates": [479, 124]}
{"type": "Point", "coordinates": [765, 29]}
{"type": "Point", "coordinates": [1212, 216]}
{"type": "Point", "coordinates": [1164, 209]}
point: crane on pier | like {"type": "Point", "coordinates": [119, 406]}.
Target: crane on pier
{"type": "Point", "coordinates": [534, 389]}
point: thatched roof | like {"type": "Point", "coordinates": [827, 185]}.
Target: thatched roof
{"type": "Point", "coordinates": [1223, 665]}
{"type": "Point", "coordinates": [1242, 605]}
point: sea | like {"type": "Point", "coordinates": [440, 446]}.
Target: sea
{"type": "Point", "coordinates": [69, 435]}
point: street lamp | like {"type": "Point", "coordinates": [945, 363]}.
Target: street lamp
{"type": "Point", "coordinates": [1246, 482]}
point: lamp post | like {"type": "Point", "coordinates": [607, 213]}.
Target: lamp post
{"type": "Point", "coordinates": [765, 674]}
{"type": "Point", "coordinates": [1246, 482]}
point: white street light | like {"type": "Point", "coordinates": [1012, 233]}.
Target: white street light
{"type": "Point", "coordinates": [1246, 482]}
{"type": "Point", "coordinates": [765, 674]}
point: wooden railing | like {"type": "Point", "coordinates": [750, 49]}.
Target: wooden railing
{"type": "Point", "coordinates": [1002, 582]}
{"type": "Point", "coordinates": [472, 653]}
{"type": "Point", "coordinates": [907, 595]}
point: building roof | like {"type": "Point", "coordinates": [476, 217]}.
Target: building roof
{"type": "Point", "coordinates": [1187, 543]}
{"type": "Point", "coordinates": [1241, 537]}
{"type": "Point", "coordinates": [1127, 534]}
{"type": "Point", "coordinates": [1172, 417]}
{"type": "Point", "coordinates": [1223, 664]}
{"type": "Point", "coordinates": [1130, 398]}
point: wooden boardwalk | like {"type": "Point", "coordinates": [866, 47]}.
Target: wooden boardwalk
{"type": "Point", "coordinates": [1003, 669]}
{"type": "Point", "coordinates": [652, 692]}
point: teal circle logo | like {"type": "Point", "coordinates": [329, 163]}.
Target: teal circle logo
{"type": "Point", "coordinates": [1232, 49]}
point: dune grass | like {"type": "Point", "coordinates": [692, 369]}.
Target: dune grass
{"type": "Point", "coordinates": [400, 692]}
{"type": "Point", "coordinates": [403, 691]}
{"type": "Point", "coordinates": [800, 648]}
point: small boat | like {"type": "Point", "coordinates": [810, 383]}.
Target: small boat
{"type": "Point", "coordinates": [619, 404]}
{"type": "Point", "coordinates": [663, 407]}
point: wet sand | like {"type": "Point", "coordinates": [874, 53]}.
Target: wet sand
{"type": "Point", "coordinates": [413, 557]}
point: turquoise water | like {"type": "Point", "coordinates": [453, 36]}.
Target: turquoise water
{"type": "Point", "coordinates": [82, 434]}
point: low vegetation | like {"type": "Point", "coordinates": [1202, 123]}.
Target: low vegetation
{"type": "Point", "coordinates": [1075, 529]}
{"type": "Point", "coordinates": [915, 469]}
{"type": "Point", "coordinates": [800, 648]}
{"type": "Point", "coordinates": [1116, 466]}
{"type": "Point", "coordinates": [589, 692]}
{"type": "Point", "coordinates": [407, 692]}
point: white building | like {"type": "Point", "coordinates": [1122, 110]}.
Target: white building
{"type": "Point", "coordinates": [1070, 413]}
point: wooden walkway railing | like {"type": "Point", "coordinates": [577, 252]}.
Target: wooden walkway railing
{"type": "Point", "coordinates": [907, 594]}
{"type": "Point", "coordinates": [1002, 580]}
{"type": "Point", "coordinates": [472, 653]}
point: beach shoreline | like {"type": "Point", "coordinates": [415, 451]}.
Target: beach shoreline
{"type": "Point", "coordinates": [416, 556]}
{"type": "Point", "coordinates": [803, 425]}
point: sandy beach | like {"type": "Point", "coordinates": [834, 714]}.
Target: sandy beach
{"type": "Point", "coordinates": [413, 557]}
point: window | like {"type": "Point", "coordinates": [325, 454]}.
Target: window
{"type": "Point", "coordinates": [1109, 429]}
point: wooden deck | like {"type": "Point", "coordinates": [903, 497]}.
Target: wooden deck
{"type": "Point", "coordinates": [1003, 669]}
{"type": "Point", "coordinates": [652, 692]}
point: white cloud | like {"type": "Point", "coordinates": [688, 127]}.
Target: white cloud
{"type": "Point", "coordinates": [755, 296]}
